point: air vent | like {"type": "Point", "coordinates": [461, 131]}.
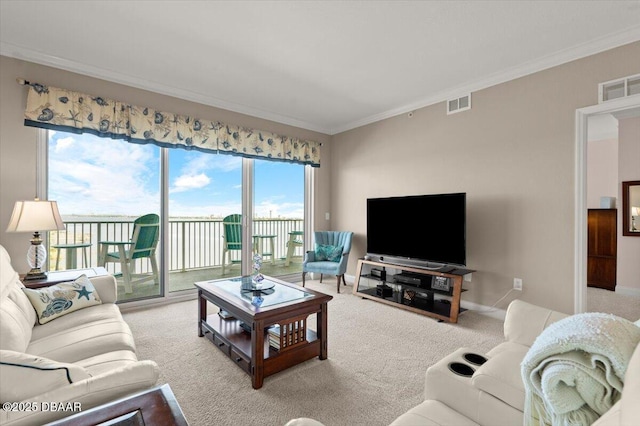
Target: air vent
{"type": "Point", "coordinates": [459, 104]}
{"type": "Point", "coordinates": [620, 88]}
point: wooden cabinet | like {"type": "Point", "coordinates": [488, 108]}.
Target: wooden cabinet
{"type": "Point", "coordinates": [602, 248]}
{"type": "Point", "coordinates": [434, 293]}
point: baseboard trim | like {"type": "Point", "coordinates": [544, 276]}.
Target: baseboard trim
{"type": "Point", "coordinates": [147, 303]}
{"type": "Point", "coordinates": [628, 291]}
{"type": "Point", "coordinates": [484, 310]}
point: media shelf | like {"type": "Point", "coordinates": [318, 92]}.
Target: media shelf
{"type": "Point", "coordinates": [413, 289]}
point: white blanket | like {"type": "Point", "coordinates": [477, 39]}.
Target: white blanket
{"type": "Point", "coordinates": [574, 371]}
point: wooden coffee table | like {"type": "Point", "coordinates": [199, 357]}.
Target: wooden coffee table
{"type": "Point", "coordinates": [156, 406]}
{"type": "Point", "coordinates": [245, 337]}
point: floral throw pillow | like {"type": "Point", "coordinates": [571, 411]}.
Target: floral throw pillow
{"type": "Point", "coordinates": [328, 252]}
{"type": "Point", "coordinates": [60, 299]}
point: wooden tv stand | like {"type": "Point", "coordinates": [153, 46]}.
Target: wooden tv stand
{"type": "Point", "coordinates": [422, 296]}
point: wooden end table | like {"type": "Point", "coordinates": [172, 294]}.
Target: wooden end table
{"type": "Point", "coordinates": [55, 277]}
{"type": "Point", "coordinates": [244, 335]}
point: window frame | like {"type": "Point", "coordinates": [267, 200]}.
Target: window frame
{"type": "Point", "coordinates": [42, 190]}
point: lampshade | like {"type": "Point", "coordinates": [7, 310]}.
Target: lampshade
{"type": "Point", "coordinates": [635, 211]}
{"type": "Point", "coordinates": [36, 215]}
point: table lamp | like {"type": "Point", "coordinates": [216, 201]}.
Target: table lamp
{"type": "Point", "coordinates": [35, 216]}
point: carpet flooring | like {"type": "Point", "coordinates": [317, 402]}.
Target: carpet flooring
{"type": "Point", "coordinates": [377, 358]}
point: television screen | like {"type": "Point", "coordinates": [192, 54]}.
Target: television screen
{"type": "Point", "coordinates": [422, 227]}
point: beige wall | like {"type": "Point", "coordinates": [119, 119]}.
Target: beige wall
{"type": "Point", "coordinates": [512, 153]}
{"type": "Point", "coordinates": [18, 143]}
{"type": "Point", "coordinates": [602, 172]}
{"type": "Point", "coordinates": [628, 265]}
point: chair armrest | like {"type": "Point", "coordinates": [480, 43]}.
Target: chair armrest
{"type": "Point", "coordinates": [310, 256]}
{"type": "Point", "coordinates": [524, 321]}
{"type": "Point", "coordinates": [87, 393]}
{"type": "Point", "coordinates": [107, 288]}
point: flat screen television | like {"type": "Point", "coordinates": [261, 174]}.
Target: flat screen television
{"type": "Point", "coordinates": [423, 228]}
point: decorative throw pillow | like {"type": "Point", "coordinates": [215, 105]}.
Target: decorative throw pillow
{"type": "Point", "coordinates": [60, 299]}
{"type": "Point", "coordinates": [328, 252]}
{"type": "Point", "coordinates": [25, 376]}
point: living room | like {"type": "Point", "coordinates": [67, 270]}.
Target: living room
{"type": "Point", "coordinates": [513, 153]}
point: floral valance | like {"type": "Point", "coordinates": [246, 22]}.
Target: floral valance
{"type": "Point", "coordinates": [60, 109]}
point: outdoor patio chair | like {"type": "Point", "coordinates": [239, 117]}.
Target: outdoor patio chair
{"type": "Point", "coordinates": [330, 257]}
{"type": "Point", "coordinates": [143, 243]}
{"type": "Point", "coordinates": [232, 228]}
{"type": "Point", "coordinates": [296, 239]}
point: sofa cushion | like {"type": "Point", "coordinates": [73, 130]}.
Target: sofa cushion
{"type": "Point", "coordinates": [25, 376]}
{"type": "Point", "coordinates": [108, 361]}
{"type": "Point", "coordinates": [524, 321]}
{"type": "Point", "coordinates": [17, 316]}
{"type": "Point", "coordinates": [84, 340]}
{"type": "Point", "coordinates": [506, 346]}
{"type": "Point", "coordinates": [432, 413]}
{"type": "Point", "coordinates": [60, 299]}
{"type": "Point", "coordinates": [81, 318]}
{"type": "Point", "coordinates": [500, 377]}
{"type": "Point", "coordinates": [89, 393]}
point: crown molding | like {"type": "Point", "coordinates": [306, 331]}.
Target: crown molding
{"type": "Point", "coordinates": [29, 55]}
{"type": "Point", "coordinates": [592, 47]}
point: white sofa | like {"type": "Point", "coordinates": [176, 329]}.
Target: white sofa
{"type": "Point", "coordinates": [74, 362]}
{"type": "Point", "coordinates": [493, 393]}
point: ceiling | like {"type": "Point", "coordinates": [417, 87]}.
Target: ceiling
{"type": "Point", "coordinates": [320, 65]}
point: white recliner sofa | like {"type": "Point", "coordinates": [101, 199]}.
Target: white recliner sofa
{"type": "Point", "coordinates": [467, 388]}
{"type": "Point", "coordinates": [72, 363]}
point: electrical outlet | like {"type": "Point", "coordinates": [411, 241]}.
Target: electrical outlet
{"type": "Point", "coordinates": [517, 284]}
{"type": "Point", "coordinates": [468, 277]}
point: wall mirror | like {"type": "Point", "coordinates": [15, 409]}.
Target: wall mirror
{"type": "Point", "coordinates": [631, 208]}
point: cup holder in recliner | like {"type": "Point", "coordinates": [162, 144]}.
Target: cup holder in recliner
{"type": "Point", "coordinates": [461, 369]}
{"type": "Point", "coordinates": [474, 358]}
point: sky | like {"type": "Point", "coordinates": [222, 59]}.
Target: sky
{"type": "Point", "coordinates": [89, 175]}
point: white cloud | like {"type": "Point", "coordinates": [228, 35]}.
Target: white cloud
{"type": "Point", "coordinates": [187, 182]}
{"type": "Point", "coordinates": [201, 162]}
{"type": "Point", "coordinates": [64, 143]}
{"type": "Point", "coordinates": [104, 176]}
{"type": "Point", "coordinates": [270, 209]}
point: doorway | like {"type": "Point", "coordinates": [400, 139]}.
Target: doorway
{"type": "Point", "coordinates": [627, 106]}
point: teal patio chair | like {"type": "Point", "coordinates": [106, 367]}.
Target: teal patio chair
{"type": "Point", "coordinates": [336, 263]}
{"type": "Point", "coordinates": [143, 243]}
{"type": "Point", "coordinates": [232, 228]}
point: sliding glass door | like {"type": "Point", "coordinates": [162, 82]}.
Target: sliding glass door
{"type": "Point", "coordinates": [209, 212]}
{"type": "Point", "coordinates": [108, 193]}
{"type": "Point", "coordinates": [278, 216]}
{"type": "Point", "coordinates": [205, 203]}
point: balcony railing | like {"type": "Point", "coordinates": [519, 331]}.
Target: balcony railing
{"type": "Point", "coordinates": [193, 243]}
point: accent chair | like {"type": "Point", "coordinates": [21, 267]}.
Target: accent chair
{"type": "Point", "coordinates": [330, 257]}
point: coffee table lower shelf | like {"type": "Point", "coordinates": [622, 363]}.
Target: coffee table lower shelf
{"type": "Point", "coordinates": [234, 342]}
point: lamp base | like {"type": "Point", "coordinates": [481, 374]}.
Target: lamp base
{"type": "Point", "coordinates": [35, 274]}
